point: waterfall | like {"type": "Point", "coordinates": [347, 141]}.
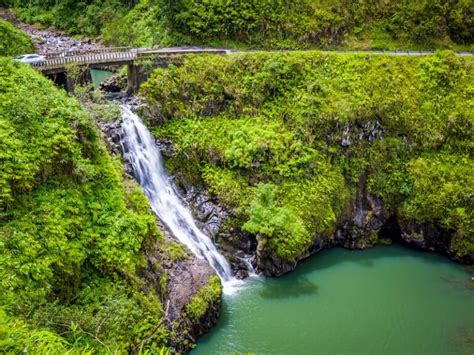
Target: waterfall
{"type": "Point", "coordinates": [140, 150]}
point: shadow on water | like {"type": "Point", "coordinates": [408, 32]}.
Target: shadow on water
{"type": "Point", "coordinates": [300, 286]}
{"type": "Point", "coordinates": [297, 283]}
{"type": "Point", "coordinates": [368, 258]}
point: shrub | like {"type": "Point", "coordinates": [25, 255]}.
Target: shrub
{"type": "Point", "coordinates": [12, 41]}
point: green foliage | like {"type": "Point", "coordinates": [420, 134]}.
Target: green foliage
{"type": "Point", "coordinates": [12, 41]}
{"type": "Point", "coordinates": [285, 231]}
{"type": "Point", "coordinates": [96, 103]}
{"type": "Point", "coordinates": [443, 191]}
{"type": "Point", "coordinates": [140, 27]}
{"type": "Point", "coordinates": [72, 231]}
{"type": "Point", "coordinates": [17, 337]}
{"type": "Point", "coordinates": [315, 127]}
{"type": "Point", "coordinates": [205, 298]}
{"type": "Point", "coordinates": [175, 251]}
{"type": "Point", "coordinates": [362, 24]}
{"type": "Point", "coordinates": [77, 17]}
{"type": "Point", "coordinates": [229, 186]}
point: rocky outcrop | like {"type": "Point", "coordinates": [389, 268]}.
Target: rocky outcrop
{"type": "Point", "coordinates": [114, 84]}
{"type": "Point", "coordinates": [111, 131]}
{"type": "Point", "coordinates": [432, 237]}
{"type": "Point", "coordinates": [364, 219]}
{"type": "Point", "coordinates": [269, 263]}
{"type": "Point", "coordinates": [177, 279]}
{"type": "Point", "coordinates": [238, 246]}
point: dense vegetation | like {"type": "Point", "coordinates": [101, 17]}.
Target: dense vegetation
{"type": "Point", "coordinates": [72, 230]}
{"type": "Point", "coordinates": [286, 139]}
{"type": "Point", "coordinates": [12, 41]}
{"type": "Point", "coordinates": [362, 24]}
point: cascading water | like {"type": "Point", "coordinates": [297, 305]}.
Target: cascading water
{"type": "Point", "coordinates": [140, 150]}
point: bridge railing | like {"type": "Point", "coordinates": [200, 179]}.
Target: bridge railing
{"type": "Point", "coordinates": [86, 58]}
{"type": "Point", "coordinates": [89, 51]}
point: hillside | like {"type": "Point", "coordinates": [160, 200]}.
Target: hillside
{"type": "Point", "coordinates": [12, 41]}
{"type": "Point", "coordinates": [275, 24]}
{"type": "Point", "coordinates": [311, 150]}
{"type": "Point", "coordinates": [80, 251]}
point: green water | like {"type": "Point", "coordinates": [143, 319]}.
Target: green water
{"type": "Point", "coordinates": [387, 300]}
{"type": "Point", "coordinates": [99, 76]}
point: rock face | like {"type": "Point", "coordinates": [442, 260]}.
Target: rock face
{"type": "Point", "coordinates": [365, 219]}
{"type": "Point", "coordinates": [237, 246]}
{"type": "Point", "coordinates": [111, 131]}
{"type": "Point", "coordinates": [180, 280]}
{"type": "Point", "coordinates": [432, 237]}
{"type": "Point", "coordinates": [177, 279]}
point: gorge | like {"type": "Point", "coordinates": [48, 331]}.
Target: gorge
{"type": "Point", "coordinates": [269, 200]}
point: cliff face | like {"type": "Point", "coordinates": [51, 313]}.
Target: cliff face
{"type": "Point", "coordinates": [366, 223]}
{"type": "Point", "coordinates": [303, 151]}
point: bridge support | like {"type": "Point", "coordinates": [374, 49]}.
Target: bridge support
{"type": "Point", "coordinates": [132, 78]}
{"type": "Point", "coordinates": [70, 84]}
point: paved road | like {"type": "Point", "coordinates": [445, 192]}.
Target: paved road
{"type": "Point", "coordinates": [57, 62]}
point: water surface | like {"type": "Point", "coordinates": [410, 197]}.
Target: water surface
{"type": "Point", "coordinates": [386, 300]}
{"type": "Point", "coordinates": [99, 75]}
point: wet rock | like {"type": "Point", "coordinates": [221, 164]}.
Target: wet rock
{"type": "Point", "coordinates": [365, 219]}
{"type": "Point", "coordinates": [238, 247]}
{"type": "Point", "coordinates": [432, 237]}
{"type": "Point", "coordinates": [166, 147]}
{"type": "Point", "coordinates": [270, 263]}
{"type": "Point", "coordinates": [206, 209]}
{"type": "Point", "coordinates": [116, 83]}
{"type": "Point", "coordinates": [370, 131]}
{"type": "Point", "coordinates": [137, 104]}
{"type": "Point", "coordinates": [112, 132]}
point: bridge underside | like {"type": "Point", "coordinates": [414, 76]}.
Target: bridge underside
{"type": "Point", "coordinates": [61, 78]}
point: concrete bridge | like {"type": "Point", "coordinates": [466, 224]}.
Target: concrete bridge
{"type": "Point", "coordinates": [56, 65]}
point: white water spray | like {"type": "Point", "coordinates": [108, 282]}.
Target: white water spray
{"type": "Point", "coordinates": [140, 150]}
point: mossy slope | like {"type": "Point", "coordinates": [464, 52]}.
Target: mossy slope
{"type": "Point", "coordinates": [290, 140]}
{"type": "Point", "coordinates": [363, 24]}
{"type": "Point", "coordinates": [73, 232]}
{"type": "Point", "coordinates": [12, 41]}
